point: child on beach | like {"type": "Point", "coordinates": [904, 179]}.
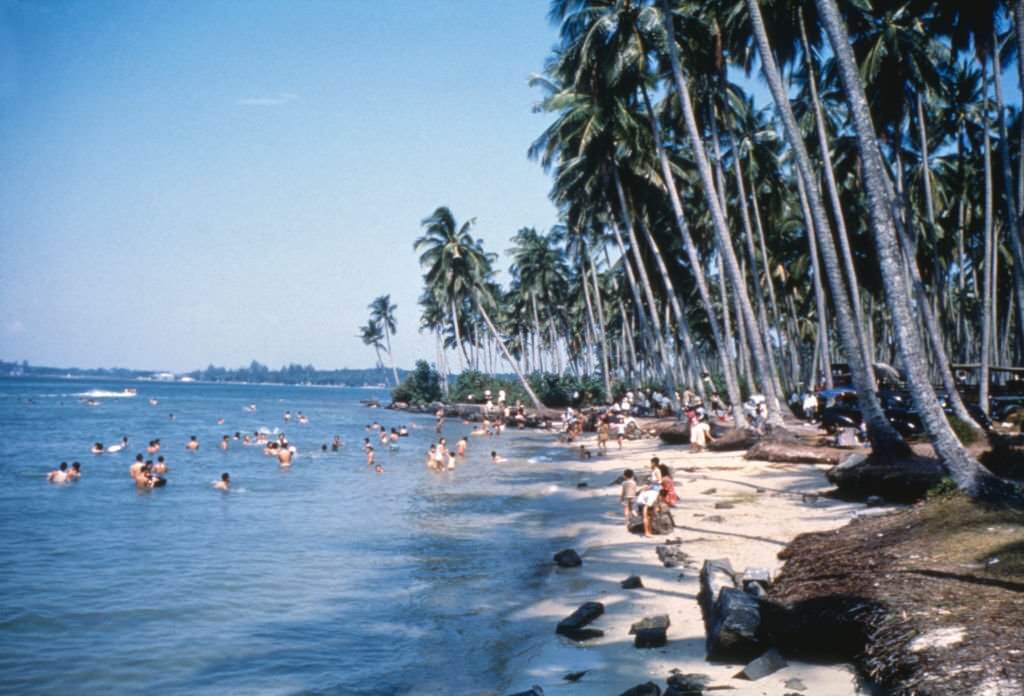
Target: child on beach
{"type": "Point", "coordinates": [603, 431]}
{"type": "Point", "coordinates": [620, 432]}
{"type": "Point", "coordinates": [628, 495]}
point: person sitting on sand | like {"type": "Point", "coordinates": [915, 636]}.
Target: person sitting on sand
{"type": "Point", "coordinates": [700, 435]}
{"type": "Point", "coordinates": [668, 486]}
{"type": "Point", "coordinates": [225, 482]}
{"type": "Point", "coordinates": [160, 467]}
{"type": "Point", "coordinates": [75, 472]}
{"type": "Point", "coordinates": [59, 475]}
{"type": "Point", "coordinates": [97, 448]}
{"type": "Point", "coordinates": [193, 444]}
{"type": "Point", "coordinates": [628, 495]}
{"type": "Point", "coordinates": [495, 459]}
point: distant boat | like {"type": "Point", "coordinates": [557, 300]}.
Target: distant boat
{"type": "Point", "coordinates": [104, 394]}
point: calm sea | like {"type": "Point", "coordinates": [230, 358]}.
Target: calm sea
{"type": "Point", "coordinates": [324, 579]}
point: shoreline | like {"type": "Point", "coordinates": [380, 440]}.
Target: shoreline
{"type": "Point", "coordinates": [766, 505]}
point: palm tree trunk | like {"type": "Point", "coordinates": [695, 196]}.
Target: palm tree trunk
{"type": "Point", "coordinates": [721, 230]}
{"type": "Point", "coordinates": [391, 357]}
{"type": "Point", "coordinates": [458, 337]}
{"type": "Point", "coordinates": [986, 312]}
{"type": "Point", "coordinates": [965, 470]}
{"type": "Point", "coordinates": [1014, 230]}
{"type": "Point", "coordinates": [538, 355]}
{"type": "Point", "coordinates": [820, 301]}
{"type": "Point", "coordinates": [833, 190]}
{"type": "Point", "coordinates": [597, 329]}
{"type": "Point", "coordinates": [884, 437]}
{"type": "Point", "coordinates": [659, 340]}
{"type": "Point", "coordinates": [696, 267]}
{"type": "Point", "coordinates": [508, 356]}
{"type": "Point", "coordinates": [748, 239]}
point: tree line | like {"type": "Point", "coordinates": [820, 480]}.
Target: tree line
{"type": "Point", "coordinates": [868, 213]}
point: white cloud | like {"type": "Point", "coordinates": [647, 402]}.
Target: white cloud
{"type": "Point", "coordinates": [269, 100]}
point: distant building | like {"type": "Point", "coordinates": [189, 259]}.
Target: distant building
{"type": "Point", "coordinates": [164, 376]}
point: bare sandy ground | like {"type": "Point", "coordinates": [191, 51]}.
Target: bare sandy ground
{"type": "Point", "coordinates": [772, 503]}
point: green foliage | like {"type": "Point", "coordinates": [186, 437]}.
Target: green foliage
{"type": "Point", "coordinates": [967, 435]}
{"type": "Point", "coordinates": [946, 488]}
{"type": "Point", "coordinates": [423, 385]}
{"type": "Point", "coordinates": [556, 391]}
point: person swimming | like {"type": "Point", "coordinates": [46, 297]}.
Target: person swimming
{"type": "Point", "coordinates": [135, 470]}
{"type": "Point", "coordinates": [97, 448]}
{"type": "Point", "coordinates": [160, 467]}
{"type": "Point", "coordinates": [224, 443]}
{"type": "Point", "coordinates": [225, 482]}
{"type": "Point", "coordinates": [495, 459]}
{"type": "Point", "coordinates": [379, 469]}
{"type": "Point", "coordinates": [193, 444]}
{"type": "Point", "coordinates": [59, 475]}
{"type": "Point", "coordinates": [284, 455]}
{"type": "Point", "coordinates": [112, 449]}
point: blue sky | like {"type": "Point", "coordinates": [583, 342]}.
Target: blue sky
{"type": "Point", "coordinates": [187, 183]}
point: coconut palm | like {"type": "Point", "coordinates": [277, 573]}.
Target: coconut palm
{"type": "Point", "coordinates": [371, 334]}
{"type": "Point", "coordinates": [968, 474]}
{"type": "Point", "coordinates": [459, 270]}
{"type": "Point", "coordinates": [382, 314]}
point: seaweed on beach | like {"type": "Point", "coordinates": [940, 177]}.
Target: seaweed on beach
{"type": "Point", "coordinates": [928, 600]}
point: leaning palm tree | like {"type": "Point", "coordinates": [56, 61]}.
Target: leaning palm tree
{"type": "Point", "coordinates": [969, 475]}
{"type": "Point", "coordinates": [382, 313]}
{"type": "Point", "coordinates": [372, 335]}
{"type": "Point", "coordinates": [459, 270]}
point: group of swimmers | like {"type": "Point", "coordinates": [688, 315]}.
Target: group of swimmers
{"type": "Point", "coordinates": [62, 474]}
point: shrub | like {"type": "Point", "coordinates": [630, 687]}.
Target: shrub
{"type": "Point", "coordinates": [423, 385]}
{"type": "Point", "coordinates": [968, 435]}
{"type": "Point", "coordinates": [946, 488]}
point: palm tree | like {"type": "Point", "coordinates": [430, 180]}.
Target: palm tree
{"type": "Point", "coordinates": [372, 335]}
{"type": "Point", "coordinates": [382, 314]}
{"type": "Point", "coordinates": [458, 269]}
{"type": "Point", "coordinates": [968, 474]}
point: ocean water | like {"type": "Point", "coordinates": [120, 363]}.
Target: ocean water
{"type": "Point", "coordinates": [323, 579]}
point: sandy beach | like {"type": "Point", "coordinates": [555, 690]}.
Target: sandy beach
{"type": "Point", "coordinates": [770, 505]}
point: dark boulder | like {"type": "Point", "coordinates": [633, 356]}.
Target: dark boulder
{"type": "Point", "coordinates": [661, 523]}
{"type": "Point", "coordinates": [568, 558]}
{"type": "Point", "coordinates": [572, 625]}
{"type": "Point", "coordinates": [769, 663]}
{"type": "Point", "coordinates": [735, 627]}
{"type": "Point", "coordinates": [676, 434]}
{"type": "Point", "coordinates": [673, 556]}
{"type": "Point", "coordinates": [715, 575]}
{"type": "Point", "coordinates": [687, 684]}
{"type": "Point", "coordinates": [648, 689]}
{"type": "Point", "coordinates": [633, 582]}
{"type": "Point", "coordinates": [903, 480]}
{"type": "Point", "coordinates": [651, 631]}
